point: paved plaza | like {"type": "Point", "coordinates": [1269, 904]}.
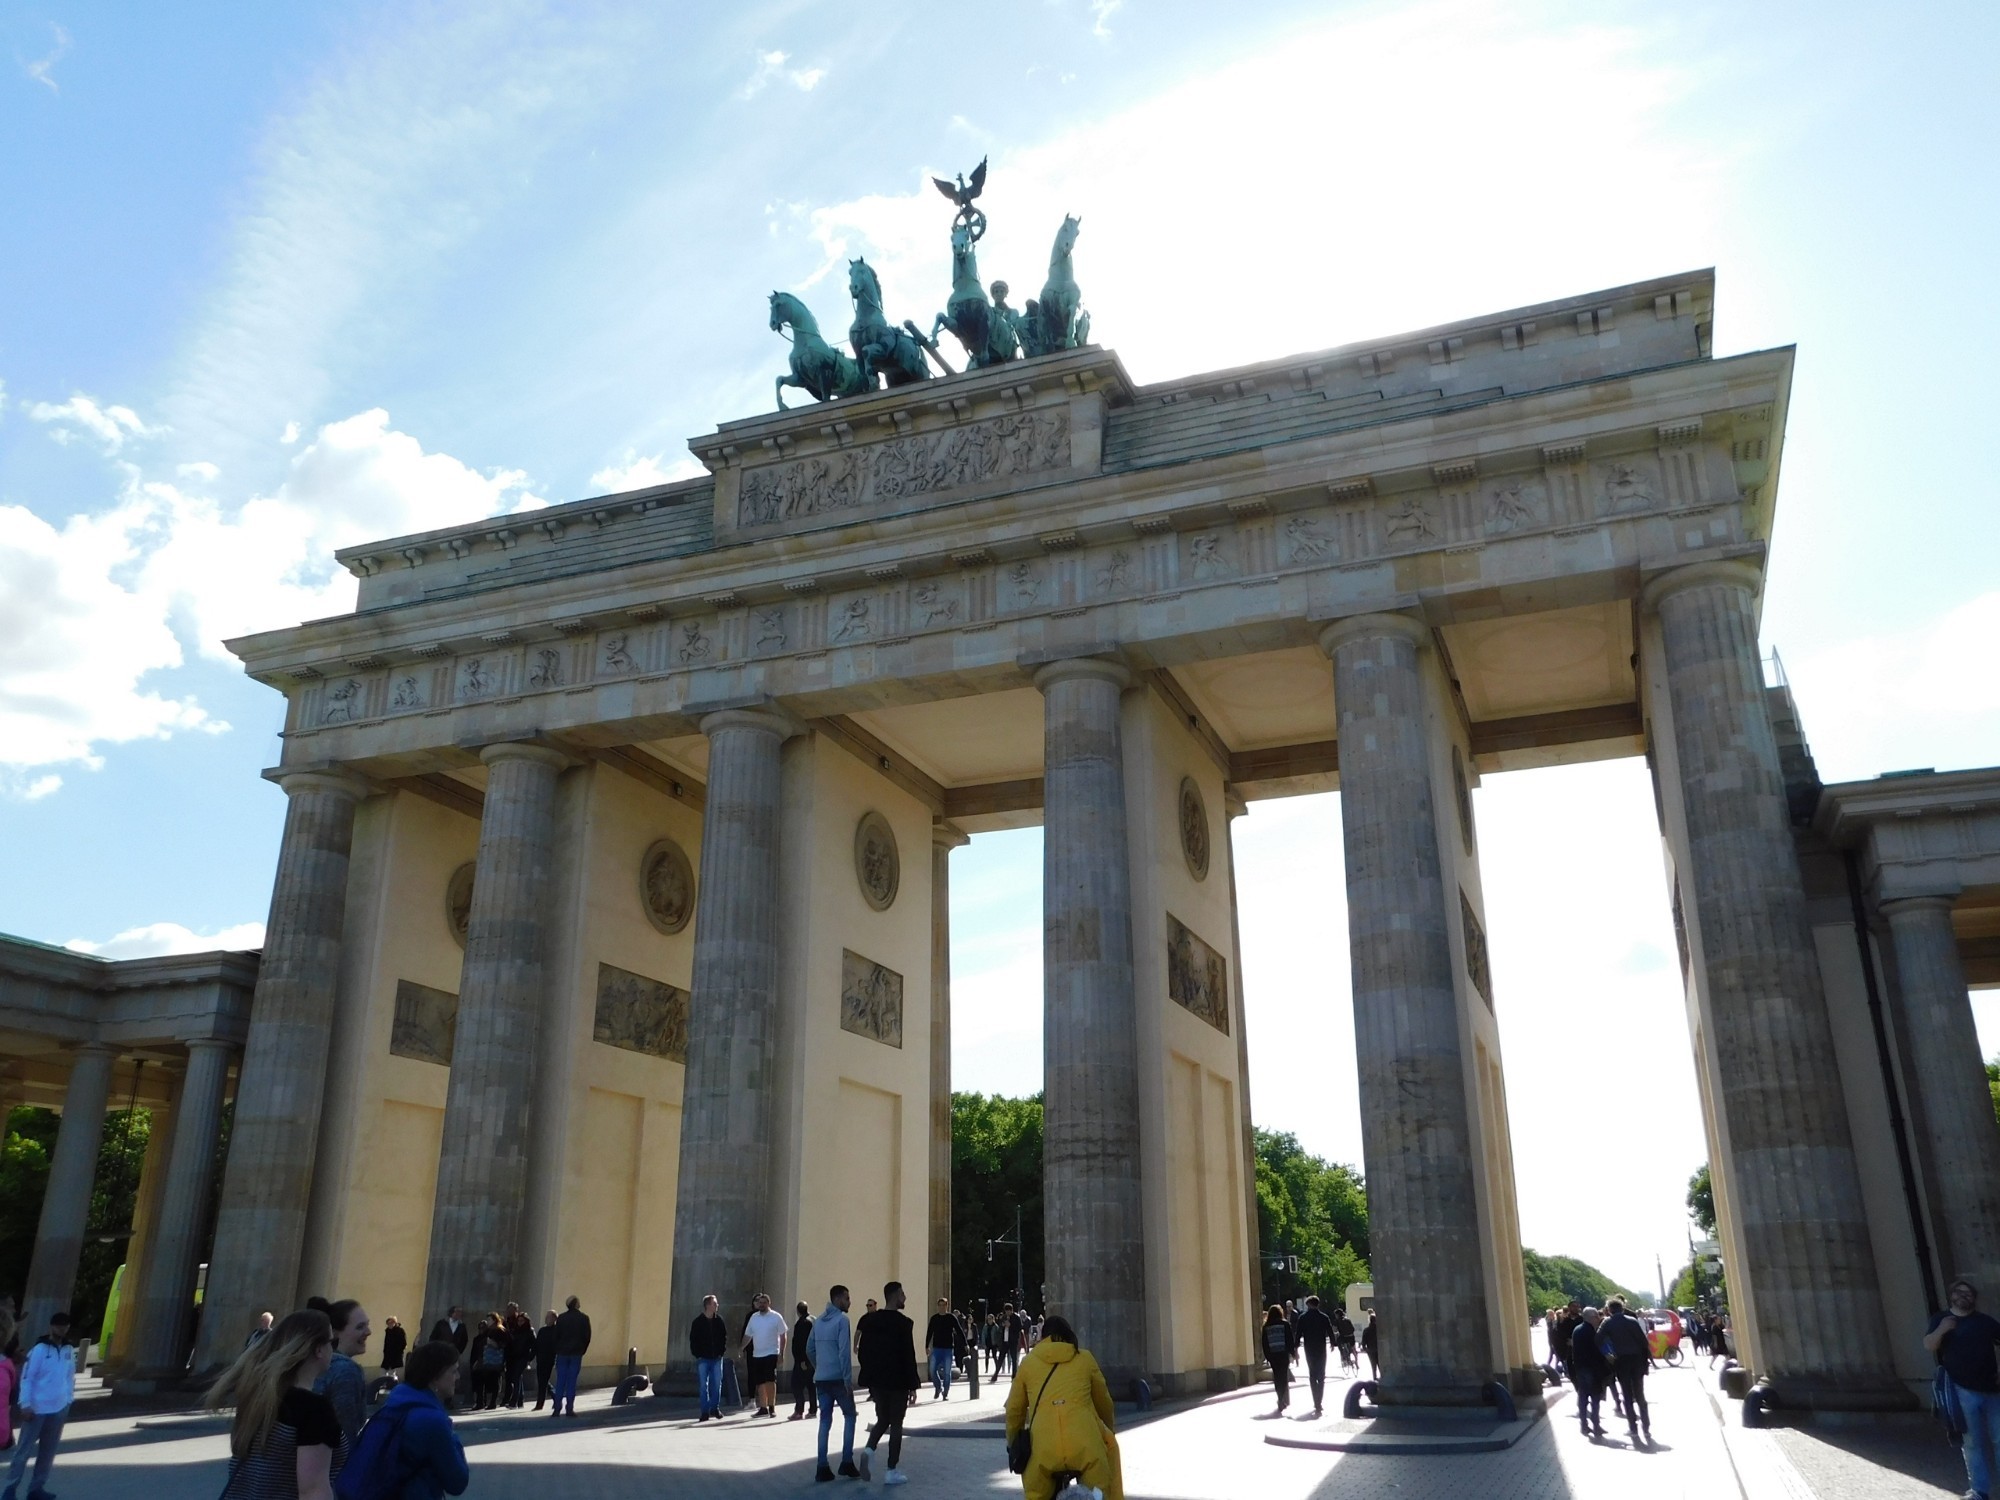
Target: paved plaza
{"type": "Point", "coordinates": [1214, 1450]}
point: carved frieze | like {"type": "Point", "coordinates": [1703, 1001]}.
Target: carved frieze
{"type": "Point", "coordinates": [877, 865]}
{"type": "Point", "coordinates": [871, 999]}
{"type": "Point", "coordinates": [640, 1014]}
{"type": "Point", "coordinates": [1197, 976]}
{"type": "Point", "coordinates": [410, 691]}
{"type": "Point", "coordinates": [1629, 486]}
{"type": "Point", "coordinates": [906, 468]}
{"type": "Point", "coordinates": [426, 1023]}
{"type": "Point", "coordinates": [458, 903]}
{"type": "Point", "coordinates": [342, 701]}
{"type": "Point", "coordinates": [666, 886]}
{"type": "Point", "coordinates": [1475, 951]}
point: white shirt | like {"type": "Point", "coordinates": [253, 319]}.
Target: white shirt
{"type": "Point", "coordinates": [766, 1332]}
{"type": "Point", "coordinates": [48, 1382]}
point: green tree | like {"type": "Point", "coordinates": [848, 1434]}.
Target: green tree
{"type": "Point", "coordinates": [996, 1164]}
{"type": "Point", "coordinates": [1554, 1280]}
{"type": "Point", "coordinates": [1701, 1200]}
{"type": "Point", "coordinates": [1312, 1212]}
{"type": "Point", "coordinates": [1993, 1084]}
{"type": "Point", "coordinates": [24, 1179]}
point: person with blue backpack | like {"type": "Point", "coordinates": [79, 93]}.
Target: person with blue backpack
{"type": "Point", "coordinates": [408, 1450]}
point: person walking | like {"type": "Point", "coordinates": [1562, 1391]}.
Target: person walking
{"type": "Point", "coordinates": [805, 1400]}
{"type": "Point", "coordinates": [831, 1351]}
{"type": "Point", "coordinates": [343, 1383]}
{"type": "Point", "coordinates": [47, 1391]}
{"type": "Point", "coordinates": [545, 1357]}
{"type": "Point", "coordinates": [1278, 1344]}
{"type": "Point", "coordinates": [1369, 1345]}
{"type": "Point", "coordinates": [261, 1332]}
{"type": "Point", "coordinates": [1963, 1340]}
{"type": "Point", "coordinates": [1316, 1332]}
{"type": "Point", "coordinates": [1631, 1356]}
{"type": "Point", "coordinates": [1063, 1403]}
{"type": "Point", "coordinates": [410, 1450]}
{"type": "Point", "coordinates": [451, 1328]}
{"type": "Point", "coordinates": [489, 1358]}
{"type": "Point", "coordinates": [888, 1358]}
{"type": "Point", "coordinates": [708, 1346]}
{"type": "Point", "coordinates": [285, 1441]}
{"type": "Point", "coordinates": [1343, 1337]}
{"type": "Point", "coordinates": [1589, 1371]}
{"type": "Point", "coordinates": [764, 1336]}
{"type": "Point", "coordinates": [941, 1344]}
{"type": "Point", "coordinates": [572, 1343]}
{"type": "Point", "coordinates": [395, 1344]}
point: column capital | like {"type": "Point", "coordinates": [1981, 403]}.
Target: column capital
{"type": "Point", "coordinates": [1931, 900]}
{"type": "Point", "coordinates": [1729, 572]}
{"type": "Point", "coordinates": [948, 835]}
{"type": "Point", "coordinates": [93, 1049]}
{"type": "Point", "coordinates": [221, 1043]}
{"type": "Point", "coordinates": [1076, 668]}
{"type": "Point", "coordinates": [1408, 626]}
{"type": "Point", "coordinates": [770, 720]}
{"type": "Point", "coordinates": [528, 750]}
{"type": "Point", "coordinates": [334, 779]}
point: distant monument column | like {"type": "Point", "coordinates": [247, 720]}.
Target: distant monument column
{"type": "Point", "coordinates": [1423, 1208]}
{"type": "Point", "coordinates": [482, 1180]}
{"type": "Point", "coordinates": [944, 839]}
{"type": "Point", "coordinates": [274, 1133]}
{"type": "Point", "coordinates": [66, 1205]}
{"type": "Point", "coordinates": [176, 1238]}
{"type": "Point", "coordinates": [1093, 1228]}
{"type": "Point", "coordinates": [1795, 1185]}
{"type": "Point", "coordinates": [1944, 1070]}
{"type": "Point", "coordinates": [722, 1198]}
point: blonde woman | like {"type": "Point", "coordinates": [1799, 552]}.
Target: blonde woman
{"type": "Point", "coordinates": [285, 1442]}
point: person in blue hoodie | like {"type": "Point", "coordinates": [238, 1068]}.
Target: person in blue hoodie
{"type": "Point", "coordinates": [411, 1437]}
{"type": "Point", "coordinates": [832, 1350]}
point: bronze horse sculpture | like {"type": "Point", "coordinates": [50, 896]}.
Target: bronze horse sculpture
{"type": "Point", "coordinates": [881, 348]}
{"type": "Point", "coordinates": [1056, 320]}
{"type": "Point", "coordinates": [818, 368]}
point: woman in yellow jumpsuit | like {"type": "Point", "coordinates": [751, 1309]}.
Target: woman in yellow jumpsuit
{"type": "Point", "coordinates": [1061, 1386]}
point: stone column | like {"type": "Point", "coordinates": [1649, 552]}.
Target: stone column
{"type": "Point", "coordinates": [1796, 1187]}
{"type": "Point", "coordinates": [260, 1230]}
{"type": "Point", "coordinates": [66, 1206]}
{"type": "Point", "coordinates": [728, 1111]}
{"type": "Point", "coordinates": [1423, 1206]}
{"type": "Point", "coordinates": [1093, 1228]}
{"type": "Point", "coordinates": [145, 1226]}
{"type": "Point", "coordinates": [944, 839]}
{"type": "Point", "coordinates": [1234, 807]}
{"type": "Point", "coordinates": [482, 1181]}
{"type": "Point", "coordinates": [1961, 1140]}
{"type": "Point", "coordinates": [178, 1235]}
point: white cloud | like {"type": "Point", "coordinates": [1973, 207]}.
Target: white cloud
{"type": "Point", "coordinates": [1101, 12]}
{"type": "Point", "coordinates": [158, 939]}
{"type": "Point", "coordinates": [771, 68]}
{"type": "Point", "coordinates": [110, 425]}
{"type": "Point", "coordinates": [640, 471]}
{"type": "Point", "coordinates": [204, 471]}
{"type": "Point", "coordinates": [42, 69]}
{"type": "Point", "coordinates": [290, 435]}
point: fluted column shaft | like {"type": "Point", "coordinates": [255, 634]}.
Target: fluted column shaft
{"type": "Point", "coordinates": [1797, 1189]}
{"type": "Point", "coordinates": [944, 839]}
{"type": "Point", "coordinates": [176, 1241]}
{"type": "Point", "coordinates": [66, 1205]}
{"type": "Point", "coordinates": [1423, 1207]}
{"type": "Point", "coordinates": [482, 1181]}
{"type": "Point", "coordinates": [267, 1183]}
{"type": "Point", "coordinates": [1961, 1139]}
{"type": "Point", "coordinates": [145, 1226]}
{"type": "Point", "coordinates": [1094, 1234]}
{"type": "Point", "coordinates": [728, 1106]}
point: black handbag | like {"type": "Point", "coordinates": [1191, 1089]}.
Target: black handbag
{"type": "Point", "coordinates": [1021, 1447]}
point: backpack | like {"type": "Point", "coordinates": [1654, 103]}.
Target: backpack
{"type": "Point", "coordinates": [375, 1469]}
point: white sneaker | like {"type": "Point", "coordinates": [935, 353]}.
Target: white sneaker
{"type": "Point", "coordinates": [866, 1458]}
{"type": "Point", "coordinates": [895, 1476]}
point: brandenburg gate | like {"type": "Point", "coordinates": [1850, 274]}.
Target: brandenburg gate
{"type": "Point", "coordinates": [609, 947]}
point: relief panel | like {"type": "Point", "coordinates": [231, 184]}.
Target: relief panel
{"type": "Point", "coordinates": [1197, 976]}
{"type": "Point", "coordinates": [871, 999]}
{"type": "Point", "coordinates": [426, 1023]}
{"type": "Point", "coordinates": [640, 1014]}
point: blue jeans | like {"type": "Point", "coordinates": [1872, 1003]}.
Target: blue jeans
{"type": "Point", "coordinates": [941, 1373]}
{"type": "Point", "coordinates": [568, 1367]}
{"type": "Point", "coordinates": [708, 1375]}
{"type": "Point", "coordinates": [43, 1434]}
{"type": "Point", "coordinates": [834, 1393]}
{"type": "Point", "coordinates": [1982, 1437]}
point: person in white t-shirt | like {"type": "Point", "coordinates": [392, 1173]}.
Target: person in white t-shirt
{"type": "Point", "coordinates": [764, 1338]}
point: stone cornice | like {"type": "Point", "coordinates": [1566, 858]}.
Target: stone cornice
{"type": "Point", "coordinates": [1847, 809]}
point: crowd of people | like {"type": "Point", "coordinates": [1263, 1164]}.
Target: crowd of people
{"type": "Point", "coordinates": [1304, 1327]}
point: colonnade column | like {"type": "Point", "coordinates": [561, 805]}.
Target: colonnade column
{"type": "Point", "coordinates": [1234, 807]}
{"type": "Point", "coordinates": [1093, 1228]}
{"type": "Point", "coordinates": [1795, 1183]}
{"type": "Point", "coordinates": [267, 1183]}
{"type": "Point", "coordinates": [176, 1238]}
{"type": "Point", "coordinates": [944, 839]}
{"type": "Point", "coordinates": [1423, 1206]}
{"type": "Point", "coordinates": [145, 1226]}
{"type": "Point", "coordinates": [1961, 1140]}
{"type": "Point", "coordinates": [66, 1205]}
{"type": "Point", "coordinates": [482, 1181]}
{"type": "Point", "coordinates": [728, 1105]}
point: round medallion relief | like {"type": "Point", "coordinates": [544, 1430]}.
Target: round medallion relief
{"type": "Point", "coordinates": [666, 886]}
{"type": "Point", "coordinates": [876, 864]}
{"type": "Point", "coordinates": [458, 903]}
{"type": "Point", "coordinates": [1194, 828]}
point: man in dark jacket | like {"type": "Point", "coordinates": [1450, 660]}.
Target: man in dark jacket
{"type": "Point", "coordinates": [545, 1357]}
{"type": "Point", "coordinates": [1316, 1331]}
{"type": "Point", "coordinates": [572, 1343]}
{"type": "Point", "coordinates": [451, 1329]}
{"type": "Point", "coordinates": [1631, 1357]}
{"type": "Point", "coordinates": [887, 1350]}
{"type": "Point", "coordinates": [1589, 1370]}
{"type": "Point", "coordinates": [708, 1345]}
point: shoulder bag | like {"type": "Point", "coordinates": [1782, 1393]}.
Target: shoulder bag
{"type": "Point", "coordinates": [1022, 1447]}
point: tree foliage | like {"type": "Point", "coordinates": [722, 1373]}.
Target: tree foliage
{"type": "Point", "coordinates": [1701, 1200]}
{"type": "Point", "coordinates": [24, 1180]}
{"type": "Point", "coordinates": [1554, 1280]}
{"type": "Point", "coordinates": [996, 1164]}
{"type": "Point", "coordinates": [1312, 1210]}
{"type": "Point", "coordinates": [1993, 1084]}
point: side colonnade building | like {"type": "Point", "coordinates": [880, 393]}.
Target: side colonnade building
{"type": "Point", "coordinates": [608, 952]}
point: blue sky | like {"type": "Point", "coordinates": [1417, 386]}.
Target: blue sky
{"type": "Point", "coordinates": [278, 278]}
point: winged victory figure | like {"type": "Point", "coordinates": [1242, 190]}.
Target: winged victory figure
{"type": "Point", "coordinates": [964, 192]}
